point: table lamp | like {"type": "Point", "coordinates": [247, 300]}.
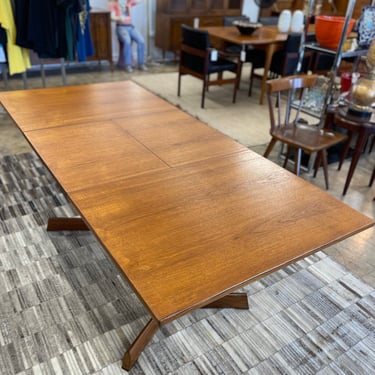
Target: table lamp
{"type": "Point", "coordinates": [362, 95]}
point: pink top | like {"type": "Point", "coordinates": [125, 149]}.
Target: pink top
{"type": "Point", "coordinates": [121, 14]}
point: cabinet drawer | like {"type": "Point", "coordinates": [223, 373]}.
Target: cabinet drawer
{"type": "Point", "coordinates": [206, 21]}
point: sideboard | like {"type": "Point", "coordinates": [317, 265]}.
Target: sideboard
{"type": "Point", "coordinates": [171, 14]}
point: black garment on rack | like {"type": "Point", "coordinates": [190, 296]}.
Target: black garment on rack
{"type": "Point", "coordinates": [21, 12]}
{"type": "Point", "coordinates": [36, 24]}
{"type": "Point", "coordinates": [3, 36]}
{"type": "Point", "coordinates": [42, 25]}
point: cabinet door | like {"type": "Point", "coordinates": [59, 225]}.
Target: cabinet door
{"type": "Point", "coordinates": [178, 6]}
{"type": "Point", "coordinates": [175, 35]}
{"type": "Point", "coordinates": [199, 5]}
{"type": "Point", "coordinates": [234, 5]}
{"type": "Point", "coordinates": [100, 26]}
{"type": "Point", "coordinates": [217, 4]}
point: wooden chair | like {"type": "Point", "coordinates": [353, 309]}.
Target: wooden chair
{"type": "Point", "coordinates": [196, 60]}
{"type": "Point", "coordinates": [286, 125]}
{"type": "Point", "coordinates": [257, 58]}
{"type": "Point", "coordinates": [284, 62]}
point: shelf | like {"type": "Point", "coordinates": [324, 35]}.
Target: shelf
{"type": "Point", "coordinates": [337, 54]}
{"type": "Point", "coordinates": [317, 47]}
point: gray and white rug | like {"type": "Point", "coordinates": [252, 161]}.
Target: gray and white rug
{"type": "Point", "coordinates": [65, 309]}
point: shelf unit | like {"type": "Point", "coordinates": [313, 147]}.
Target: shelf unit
{"type": "Point", "coordinates": [100, 26]}
{"type": "Point", "coordinates": [338, 53]}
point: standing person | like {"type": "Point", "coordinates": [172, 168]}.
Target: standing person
{"type": "Point", "coordinates": [127, 33]}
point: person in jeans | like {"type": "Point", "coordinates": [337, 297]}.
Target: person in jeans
{"type": "Point", "coordinates": [127, 33]}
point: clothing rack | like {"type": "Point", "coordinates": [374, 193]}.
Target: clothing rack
{"type": "Point", "coordinates": [42, 75]}
{"type": "Point", "coordinates": [69, 37]}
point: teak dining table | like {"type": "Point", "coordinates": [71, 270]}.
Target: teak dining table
{"type": "Point", "coordinates": [187, 214]}
{"type": "Point", "coordinates": [267, 38]}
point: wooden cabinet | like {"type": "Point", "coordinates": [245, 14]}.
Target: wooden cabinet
{"type": "Point", "coordinates": [335, 7]}
{"type": "Point", "coordinates": [341, 6]}
{"type": "Point", "coordinates": [100, 27]}
{"type": "Point", "coordinates": [171, 14]}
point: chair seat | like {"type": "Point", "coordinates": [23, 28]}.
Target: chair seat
{"type": "Point", "coordinates": [221, 65]}
{"type": "Point", "coordinates": [307, 137]}
{"type": "Point", "coordinates": [290, 129]}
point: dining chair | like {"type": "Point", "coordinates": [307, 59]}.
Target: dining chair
{"type": "Point", "coordinates": [197, 58]}
{"type": "Point", "coordinates": [285, 102]}
{"type": "Point", "coordinates": [284, 62]}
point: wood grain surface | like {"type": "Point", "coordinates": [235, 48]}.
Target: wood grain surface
{"type": "Point", "coordinates": [187, 214]}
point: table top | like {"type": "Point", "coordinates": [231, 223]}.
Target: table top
{"type": "Point", "coordinates": [188, 214]}
{"type": "Point", "coordinates": [343, 112]}
{"type": "Point", "coordinates": [263, 35]}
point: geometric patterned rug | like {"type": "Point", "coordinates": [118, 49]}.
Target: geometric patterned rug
{"type": "Point", "coordinates": [65, 308]}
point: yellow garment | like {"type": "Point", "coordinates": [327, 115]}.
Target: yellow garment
{"type": "Point", "coordinates": [18, 57]}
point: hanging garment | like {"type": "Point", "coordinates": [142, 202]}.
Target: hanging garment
{"type": "Point", "coordinates": [72, 10]}
{"type": "Point", "coordinates": [3, 43]}
{"type": "Point", "coordinates": [50, 28]}
{"type": "Point", "coordinates": [85, 45]}
{"type": "Point", "coordinates": [39, 25]}
{"type": "Point", "coordinates": [3, 58]}
{"type": "Point", "coordinates": [18, 58]}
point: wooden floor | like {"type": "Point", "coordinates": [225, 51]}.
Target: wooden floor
{"type": "Point", "coordinates": [356, 253]}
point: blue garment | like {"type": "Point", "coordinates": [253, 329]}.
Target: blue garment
{"type": "Point", "coordinates": [85, 45]}
{"type": "Point", "coordinates": [3, 58]}
{"type": "Point", "coordinates": [127, 34]}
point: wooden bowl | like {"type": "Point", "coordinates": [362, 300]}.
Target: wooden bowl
{"type": "Point", "coordinates": [247, 28]}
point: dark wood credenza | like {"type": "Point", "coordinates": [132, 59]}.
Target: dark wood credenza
{"type": "Point", "coordinates": [100, 27]}
{"type": "Point", "coordinates": [171, 14]}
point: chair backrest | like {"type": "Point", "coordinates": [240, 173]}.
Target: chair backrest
{"type": "Point", "coordinates": [194, 49]}
{"type": "Point", "coordinates": [285, 61]}
{"type": "Point", "coordinates": [282, 93]}
{"type": "Point", "coordinates": [292, 43]}
{"type": "Point", "coordinates": [268, 20]}
{"type": "Point", "coordinates": [228, 20]}
{"type": "Point", "coordinates": [195, 38]}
